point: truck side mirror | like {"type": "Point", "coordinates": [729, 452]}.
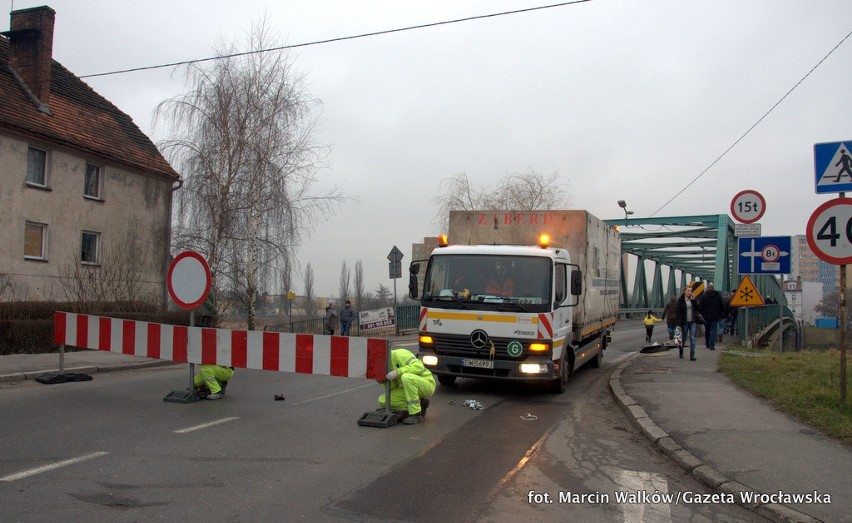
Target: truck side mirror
{"type": "Point", "coordinates": [576, 282]}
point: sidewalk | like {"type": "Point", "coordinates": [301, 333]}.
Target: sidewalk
{"type": "Point", "coordinates": [20, 367]}
{"type": "Point", "coordinates": [732, 441]}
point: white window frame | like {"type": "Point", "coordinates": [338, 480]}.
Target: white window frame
{"type": "Point", "coordinates": [45, 174]}
{"type": "Point", "coordinates": [97, 254]}
{"type": "Point", "coordinates": [100, 183]}
{"type": "Point", "coordinates": [43, 227]}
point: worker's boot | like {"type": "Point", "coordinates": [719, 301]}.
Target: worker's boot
{"type": "Point", "coordinates": [414, 419]}
{"type": "Point", "coordinates": [424, 404]}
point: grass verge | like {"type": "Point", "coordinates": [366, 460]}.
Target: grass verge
{"type": "Point", "coordinates": [804, 384]}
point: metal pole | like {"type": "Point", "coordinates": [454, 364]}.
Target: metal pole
{"type": "Point", "coordinates": [395, 309]}
{"type": "Point", "coordinates": [781, 318]}
{"type": "Point", "coordinates": [387, 381]}
{"type": "Point", "coordinates": [62, 359]}
{"type": "Point", "coordinates": [191, 365]}
{"type": "Point", "coordinates": [745, 335]}
{"type": "Point", "coordinates": [842, 334]}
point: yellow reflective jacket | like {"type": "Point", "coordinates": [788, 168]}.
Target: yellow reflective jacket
{"type": "Point", "coordinates": [404, 361]}
{"type": "Point", "coordinates": [651, 319]}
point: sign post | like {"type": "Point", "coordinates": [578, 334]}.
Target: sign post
{"type": "Point", "coordinates": [395, 266]}
{"type": "Point", "coordinates": [188, 283]}
{"type": "Point", "coordinates": [829, 234]}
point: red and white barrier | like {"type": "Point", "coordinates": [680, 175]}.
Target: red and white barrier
{"type": "Point", "coordinates": [303, 353]}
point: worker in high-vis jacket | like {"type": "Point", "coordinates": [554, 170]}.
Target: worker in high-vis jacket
{"type": "Point", "coordinates": [213, 378]}
{"type": "Point", "coordinates": [411, 386]}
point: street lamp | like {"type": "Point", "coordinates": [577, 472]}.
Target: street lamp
{"type": "Point", "coordinates": [623, 205]}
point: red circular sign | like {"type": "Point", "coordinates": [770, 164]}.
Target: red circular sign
{"type": "Point", "coordinates": [830, 231]}
{"type": "Point", "coordinates": [188, 279]}
{"type": "Point", "coordinates": [748, 206]}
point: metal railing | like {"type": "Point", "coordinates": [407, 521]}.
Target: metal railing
{"type": "Point", "coordinates": [407, 321]}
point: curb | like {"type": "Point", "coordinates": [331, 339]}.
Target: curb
{"type": "Point", "coordinates": [700, 470]}
{"type": "Point", "coordinates": [85, 369]}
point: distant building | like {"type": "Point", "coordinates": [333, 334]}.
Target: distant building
{"type": "Point", "coordinates": [807, 267]}
{"type": "Point", "coordinates": [80, 184]}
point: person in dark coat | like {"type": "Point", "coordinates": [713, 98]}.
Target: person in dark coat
{"type": "Point", "coordinates": [713, 310]}
{"type": "Point", "coordinates": [670, 315]}
{"type": "Point", "coordinates": [687, 308]}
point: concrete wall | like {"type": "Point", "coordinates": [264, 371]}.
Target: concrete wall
{"type": "Point", "coordinates": [132, 216]}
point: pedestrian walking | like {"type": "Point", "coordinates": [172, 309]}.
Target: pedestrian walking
{"type": "Point", "coordinates": [670, 315]}
{"type": "Point", "coordinates": [687, 311]}
{"type": "Point", "coordinates": [713, 310]}
{"type": "Point", "coordinates": [649, 322]}
{"type": "Point", "coordinates": [331, 319]}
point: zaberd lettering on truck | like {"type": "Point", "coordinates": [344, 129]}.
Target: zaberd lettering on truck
{"type": "Point", "coordinates": [502, 301]}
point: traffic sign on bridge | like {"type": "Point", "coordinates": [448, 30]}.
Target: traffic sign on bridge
{"type": "Point", "coordinates": [764, 255]}
{"type": "Point", "coordinates": [746, 294]}
{"type": "Point", "coordinates": [830, 231]}
{"type": "Point", "coordinates": [833, 166]}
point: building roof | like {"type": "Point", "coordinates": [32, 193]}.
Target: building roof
{"type": "Point", "coordinates": [79, 119]}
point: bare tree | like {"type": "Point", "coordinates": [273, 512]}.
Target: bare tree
{"type": "Point", "coordinates": [118, 278]}
{"type": "Point", "coordinates": [383, 296]}
{"type": "Point", "coordinates": [308, 302]}
{"type": "Point", "coordinates": [345, 279]}
{"type": "Point", "coordinates": [529, 191]}
{"type": "Point", "coordinates": [359, 285]}
{"type": "Point", "coordinates": [244, 143]}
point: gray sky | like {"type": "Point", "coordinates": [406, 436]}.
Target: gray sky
{"type": "Point", "coordinates": [625, 99]}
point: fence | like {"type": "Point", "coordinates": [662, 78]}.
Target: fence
{"type": "Point", "coordinates": [407, 321]}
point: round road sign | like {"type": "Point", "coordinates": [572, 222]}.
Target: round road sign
{"type": "Point", "coordinates": [748, 206]}
{"type": "Point", "coordinates": [830, 231]}
{"type": "Point", "coordinates": [770, 253]}
{"type": "Point", "coordinates": [189, 279]}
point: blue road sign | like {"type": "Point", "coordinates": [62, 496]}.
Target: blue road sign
{"type": "Point", "coordinates": [764, 255]}
{"type": "Point", "coordinates": [833, 167]}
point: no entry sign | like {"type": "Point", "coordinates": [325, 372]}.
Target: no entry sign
{"type": "Point", "coordinates": [189, 280]}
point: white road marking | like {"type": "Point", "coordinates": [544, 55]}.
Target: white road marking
{"type": "Point", "coordinates": [338, 393]}
{"type": "Point", "coordinates": [51, 466]}
{"type": "Point", "coordinates": [205, 425]}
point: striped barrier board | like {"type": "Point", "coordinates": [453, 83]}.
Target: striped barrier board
{"type": "Point", "coordinates": [283, 352]}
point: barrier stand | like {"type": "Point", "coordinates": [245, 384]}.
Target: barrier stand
{"type": "Point", "coordinates": [189, 395]}
{"type": "Point", "coordinates": [381, 418]}
{"type": "Point", "coordinates": [51, 378]}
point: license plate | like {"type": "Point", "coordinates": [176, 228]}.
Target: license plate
{"type": "Point", "coordinates": [482, 364]}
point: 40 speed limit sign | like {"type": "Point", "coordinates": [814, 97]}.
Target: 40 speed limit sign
{"type": "Point", "coordinates": [830, 231]}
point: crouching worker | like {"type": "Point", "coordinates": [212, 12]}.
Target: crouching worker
{"type": "Point", "coordinates": [411, 386]}
{"type": "Point", "coordinates": [212, 381]}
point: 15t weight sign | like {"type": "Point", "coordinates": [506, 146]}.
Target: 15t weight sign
{"type": "Point", "coordinates": [748, 206]}
{"type": "Point", "coordinates": [830, 231]}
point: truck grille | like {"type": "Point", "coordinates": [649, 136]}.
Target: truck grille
{"type": "Point", "coordinates": [452, 345]}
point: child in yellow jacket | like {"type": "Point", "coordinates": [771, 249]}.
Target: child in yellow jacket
{"type": "Point", "coordinates": [649, 322]}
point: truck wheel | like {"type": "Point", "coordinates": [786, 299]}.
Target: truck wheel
{"type": "Point", "coordinates": [560, 384]}
{"type": "Point", "coordinates": [446, 380]}
{"type": "Point", "coordinates": [595, 363]}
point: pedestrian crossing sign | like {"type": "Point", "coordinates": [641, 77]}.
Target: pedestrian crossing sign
{"type": "Point", "coordinates": [746, 294]}
{"type": "Point", "coordinates": [833, 167]}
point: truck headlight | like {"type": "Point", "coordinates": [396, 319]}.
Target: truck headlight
{"type": "Point", "coordinates": [534, 368]}
{"type": "Point", "coordinates": [430, 360]}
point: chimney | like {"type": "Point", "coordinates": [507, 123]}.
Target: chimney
{"type": "Point", "coordinates": [31, 50]}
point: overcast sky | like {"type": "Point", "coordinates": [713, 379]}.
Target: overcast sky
{"type": "Point", "coordinates": [627, 100]}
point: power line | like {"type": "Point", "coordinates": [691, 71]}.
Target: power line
{"type": "Point", "coordinates": [338, 39]}
{"type": "Point", "coordinates": [726, 151]}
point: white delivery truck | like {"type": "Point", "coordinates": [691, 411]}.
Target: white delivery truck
{"type": "Point", "coordinates": [510, 295]}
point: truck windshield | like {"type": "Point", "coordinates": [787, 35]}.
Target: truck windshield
{"type": "Point", "coordinates": [496, 282]}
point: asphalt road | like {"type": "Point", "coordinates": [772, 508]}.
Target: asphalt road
{"type": "Point", "coordinates": [111, 449]}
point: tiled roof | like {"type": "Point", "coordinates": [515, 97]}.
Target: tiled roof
{"type": "Point", "coordinates": [79, 118]}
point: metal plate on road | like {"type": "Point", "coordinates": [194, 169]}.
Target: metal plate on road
{"type": "Point", "coordinates": [829, 231]}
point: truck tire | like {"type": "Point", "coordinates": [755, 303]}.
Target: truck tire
{"type": "Point", "coordinates": [595, 363]}
{"type": "Point", "coordinates": [446, 380]}
{"type": "Point", "coordinates": [560, 384]}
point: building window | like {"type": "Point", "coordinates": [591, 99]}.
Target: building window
{"type": "Point", "coordinates": [93, 182]}
{"type": "Point", "coordinates": [36, 167]}
{"type": "Point", "coordinates": [35, 241]}
{"type": "Point", "coordinates": [90, 248]}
